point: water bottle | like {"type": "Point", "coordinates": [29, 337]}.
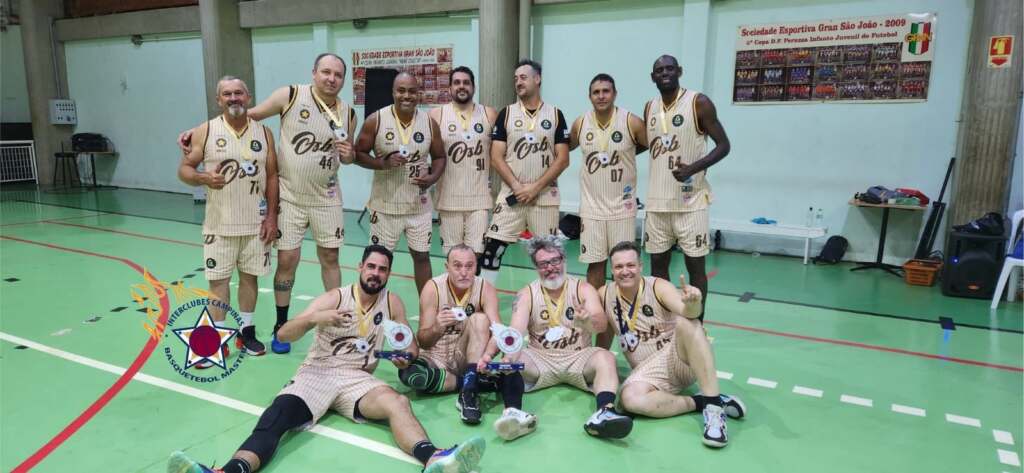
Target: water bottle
{"type": "Point", "coordinates": [819, 219]}
{"type": "Point", "coordinates": [809, 218]}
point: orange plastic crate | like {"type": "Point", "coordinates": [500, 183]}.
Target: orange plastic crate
{"type": "Point", "coordinates": [921, 272]}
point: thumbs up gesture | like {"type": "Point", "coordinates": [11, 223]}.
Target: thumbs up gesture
{"type": "Point", "coordinates": [691, 299]}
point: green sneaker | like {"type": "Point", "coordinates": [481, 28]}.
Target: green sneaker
{"type": "Point", "coordinates": [181, 463]}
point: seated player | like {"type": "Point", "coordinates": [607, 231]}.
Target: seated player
{"type": "Point", "coordinates": [664, 345]}
{"type": "Point", "coordinates": [560, 314]}
{"type": "Point", "coordinates": [457, 309]}
{"type": "Point", "coordinates": [337, 374]}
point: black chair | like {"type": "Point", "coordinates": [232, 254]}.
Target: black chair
{"type": "Point", "coordinates": [66, 164]}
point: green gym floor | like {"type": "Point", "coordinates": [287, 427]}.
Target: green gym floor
{"type": "Point", "coordinates": [840, 371]}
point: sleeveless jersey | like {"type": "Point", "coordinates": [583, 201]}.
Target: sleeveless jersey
{"type": "Point", "coordinates": [335, 347]}
{"type": "Point", "coordinates": [607, 190]}
{"type": "Point", "coordinates": [448, 344]}
{"type": "Point", "coordinates": [465, 183]}
{"type": "Point", "coordinates": [687, 144]}
{"type": "Point", "coordinates": [393, 191]}
{"type": "Point", "coordinates": [308, 167]}
{"type": "Point", "coordinates": [653, 325]}
{"type": "Point", "coordinates": [239, 207]}
{"type": "Point", "coordinates": [528, 160]}
{"type": "Point", "coordinates": [574, 339]}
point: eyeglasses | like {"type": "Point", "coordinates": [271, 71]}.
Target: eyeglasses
{"type": "Point", "coordinates": [551, 263]}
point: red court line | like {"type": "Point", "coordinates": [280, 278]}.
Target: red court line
{"type": "Point", "coordinates": [1015, 369]}
{"type": "Point", "coordinates": [123, 380]}
{"type": "Point", "coordinates": [48, 220]}
{"type": "Point", "coordinates": [709, 322]}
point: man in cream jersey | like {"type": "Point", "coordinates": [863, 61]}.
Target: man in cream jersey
{"type": "Point", "coordinates": [464, 191]}
{"type": "Point", "coordinates": [408, 158]}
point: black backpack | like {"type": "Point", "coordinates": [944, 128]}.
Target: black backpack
{"type": "Point", "coordinates": [571, 226]}
{"type": "Point", "coordinates": [833, 251]}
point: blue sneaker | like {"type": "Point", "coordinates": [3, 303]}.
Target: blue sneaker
{"type": "Point", "coordinates": [181, 463]}
{"type": "Point", "coordinates": [458, 459]}
{"type": "Point", "coordinates": [277, 346]}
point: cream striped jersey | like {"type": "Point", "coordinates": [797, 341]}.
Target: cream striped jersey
{"type": "Point", "coordinates": [465, 184]}
{"type": "Point", "coordinates": [239, 207]}
{"type": "Point", "coordinates": [308, 165]}
{"type": "Point", "coordinates": [687, 144]}
{"type": "Point", "coordinates": [607, 189]}
{"type": "Point", "coordinates": [393, 191]}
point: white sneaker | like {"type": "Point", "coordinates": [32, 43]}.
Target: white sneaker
{"type": "Point", "coordinates": [606, 423]}
{"type": "Point", "coordinates": [515, 423]}
{"type": "Point", "coordinates": [714, 427]}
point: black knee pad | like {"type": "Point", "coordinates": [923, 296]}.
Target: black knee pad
{"type": "Point", "coordinates": [494, 249]}
{"type": "Point", "coordinates": [287, 412]}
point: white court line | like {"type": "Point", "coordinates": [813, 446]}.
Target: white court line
{"type": "Point", "coordinates": [1008, 458]}
{"type": "Point", "coordinates": [345, 437]}
{"type": "Point", "coordinates": [968, 421]}
{"type": "Point", "coordinates": [264, 290]}
{"type": "Point", "coordinates": [859, 401]}
{"type": "Point", "coordinates": [808, 391]}
{"type": "Point", "coordinates": [305, 298]}
{"type": "Point", "coordinates": [908, 410]}
{"type": "Point", "coordinates": [724, 375]}
{"type": "Point", "coordinates": [1003, 437]}
{"type": "Point", "coordinates": [764, 383]}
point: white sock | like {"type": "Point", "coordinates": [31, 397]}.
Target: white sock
{"type": "Point", "coordinates": [246, 318]}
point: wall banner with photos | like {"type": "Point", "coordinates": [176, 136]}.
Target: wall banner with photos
{"type": "Point", "coordinates": [430, 64]}
{"type": "Point", "coordinates": [871, 59]}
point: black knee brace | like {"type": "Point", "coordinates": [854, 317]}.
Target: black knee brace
{"type": "Point", "coordinates": [494, 249]}
{"type": "Point", "coordinates": [287, 412]}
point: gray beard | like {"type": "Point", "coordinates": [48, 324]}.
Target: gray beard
{"type": "Point", "coordinates": [552, 284]}
{"type": "Point", "coordinates": [236, 111]}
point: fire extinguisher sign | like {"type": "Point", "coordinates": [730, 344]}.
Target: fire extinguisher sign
{"type": "Point", "coordinates": [1000, 51]}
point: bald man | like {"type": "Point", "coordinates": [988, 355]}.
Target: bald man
{"type": "Point", "coordinates": [678, 123]}
{"type": "Point", "coordinates": [407, 158]}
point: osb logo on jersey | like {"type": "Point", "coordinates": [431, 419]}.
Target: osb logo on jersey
{"type": "Point", "coordinates": [522, 149]}
{"type": "Point", "coordinates": [658, 148]}
{"type": "Point", "coordinates": [230, 169]}
{"type": "Point", "coordinates": [593, 162]}
{"type": "Point", "coordinates": [347, 345]}
{"type": "Point", "coordinates": [565, 342]}
{"type": "Point", "coordinates": [306, 142]}
{"type": "Point", "coordinates": [256, 146]}
{"type": "Point", "coordinates": [459, 151]}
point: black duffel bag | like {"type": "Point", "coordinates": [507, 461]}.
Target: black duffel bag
{"type": "Point", "coordinates": [89, 142]}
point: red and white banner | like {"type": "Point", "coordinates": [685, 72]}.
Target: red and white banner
{"type": "Point", "coordinates": [882, 58]}
{"type": "Point", "coordinates": [1000, 51]}
{"type": "Point", "coordinates": [430, 64]}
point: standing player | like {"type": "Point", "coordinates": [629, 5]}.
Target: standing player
{"type": "Point", "coordinates": [529, 150]}
{"type": "Point", "coordinates": [241, 205]}
{"type": "Point", "coordinates": [678, 123]}
{"type": "Point", "coordinates": [664, 346]}
{"type": "Point", "coordinates": [464, 191]}
{"type": "Point", "coordinates": [611, 138]}
{"type": "Point", "coordinates": [560, 315]}
{"type": "Point", "coordinates": [337, 375]}
{"type": "Point", "coordinates": [408, 158]}
{"type": "Point", "coordinates": [316, 138]}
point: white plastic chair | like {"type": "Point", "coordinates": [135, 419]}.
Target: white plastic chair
{"type": "Point", "coordinates": [1009, 265]}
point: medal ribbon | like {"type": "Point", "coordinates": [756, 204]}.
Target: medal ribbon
{"type": "Point", "coordinates": [532, 117]}
{"type": "Point", "coordinates": [664, 124]}
{"type": "Point", "coordinates": [238, 138]}
{"type": "Point", "coordinates": [630, 322]}
{"type": "Point", "coordinates": [402, 127]}
{"type": "Point", "coordinates": [603, 129]}
{"type": "Point", "coordinates": [330, 113]}
{"type": "Point", "coordinates": [458, 302]}
{"type": "Point", "coordinates": [364, 318]}
{"type": "Point", "coordinates": [464, 120]}
{"type": "Point", "coordinates": [554, 309]}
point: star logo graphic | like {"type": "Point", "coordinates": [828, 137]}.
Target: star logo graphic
{"type": "Point", "coordinates": [203, 341]}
